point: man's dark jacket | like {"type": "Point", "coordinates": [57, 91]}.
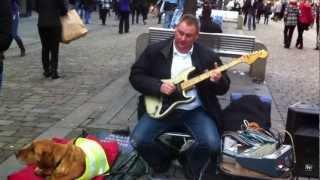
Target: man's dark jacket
{"type": "Point", "coordinates": [155, 64]}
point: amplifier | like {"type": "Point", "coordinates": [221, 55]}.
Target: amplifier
{"type": "Point", "coordinates": [303, 124]}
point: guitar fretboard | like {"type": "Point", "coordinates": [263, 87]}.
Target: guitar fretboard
{"type": "Point", "coordinates": [186, 85]}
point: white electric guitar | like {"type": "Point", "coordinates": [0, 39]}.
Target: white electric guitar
{"type": "Point", "coordinates": [158, 107]}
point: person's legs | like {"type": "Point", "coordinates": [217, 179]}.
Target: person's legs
{"type": "Point", "coordinates": [15, 25]}
{"type": "Point", "coordinates": [126, 22]}
{"type": "Point", "coordinates": [285, 36]}
{"type": "Point", "coordinates": [167, 19]}
{"type": "Point", "coordinates": [289, 37]}
{"type": "Point", "coordinates": [317, 43]}
{"type": "Point", "coordinates": [253, 22]}
{"type": "Point", "coordinates": [121, 14]}
{"type": "Point", "coordinates": [207, 142]}
{"type": "Point", "coordinates": [103, 16]}
{"type": "Point", "coordinates": [132, 15]}
{"type": "Point", "coordinates": [54, 48]}
{"type": "Point", "coordinates": [249, 21]}
{"type": "Point", "coordinates": [145, 139]}
{"type": "Point", "coordinates": [44, 38]}
{"type": "Point", "coordinates": [87, 16]}
{"type": "Point", "coordinates": [299, 39]}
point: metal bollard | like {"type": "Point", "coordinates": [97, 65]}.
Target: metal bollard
{"type": "Point", "coordinates": [240, 22]}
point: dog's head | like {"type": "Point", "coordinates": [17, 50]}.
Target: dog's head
{"type": "Point", "coordinates": [45, 154]}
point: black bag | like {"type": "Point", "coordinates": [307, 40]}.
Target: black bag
{"type": "Point", "coordinates": [249, 107]}
{"type": "Point", "coordinates": [128, 166]}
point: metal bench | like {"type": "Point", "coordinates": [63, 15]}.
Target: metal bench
{"type": "Point", "coordinates": [226, 45]}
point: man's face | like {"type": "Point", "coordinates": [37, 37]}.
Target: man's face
{"type": "Point", "coordinates": [185, 36]}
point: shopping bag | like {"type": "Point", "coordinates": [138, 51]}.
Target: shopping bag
{"type": "Point", "coordinates": [72, 27]}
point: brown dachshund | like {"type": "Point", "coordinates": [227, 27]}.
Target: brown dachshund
{"type": "Point", "coordinates": [54, 160]}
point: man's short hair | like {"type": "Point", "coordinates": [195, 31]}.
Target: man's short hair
{"type": "Point", "coordinates": [190, 20]}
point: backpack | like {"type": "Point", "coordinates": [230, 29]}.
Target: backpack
{"type": "Point", "coordinates": [128, 166]}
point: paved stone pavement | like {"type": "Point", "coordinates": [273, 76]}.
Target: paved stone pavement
{"type": "Point", "coordinates": [34, 107]}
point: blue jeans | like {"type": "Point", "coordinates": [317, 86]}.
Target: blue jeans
{"type": "Point", "coordinates": [251, 21]}
{"type": "Point", "coordinates": [87, 16]}
{"type": "Point", "coordinates": [167, 19]}
{"type": "Point", "coordinates": [195, 122]}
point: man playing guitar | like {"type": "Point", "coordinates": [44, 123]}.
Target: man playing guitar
{"type": "Point", "coordinates": [199, 118]}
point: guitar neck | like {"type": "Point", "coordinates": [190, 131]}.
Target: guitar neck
{"type": "Point", "coordinates": [186, 85]}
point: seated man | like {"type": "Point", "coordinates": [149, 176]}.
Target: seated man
{"type": "Point", "coordinates": [164, 60]}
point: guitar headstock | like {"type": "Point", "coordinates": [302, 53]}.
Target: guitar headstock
{"type": "Point", "coordinates": [252, 57]}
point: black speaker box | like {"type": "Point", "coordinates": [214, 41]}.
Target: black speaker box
{"type": "Point", "coordinates": [303, 124]}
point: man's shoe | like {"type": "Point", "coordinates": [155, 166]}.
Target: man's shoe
{"type": "Point", "coordinates": [46, 74]}
{"type": "Point", "coordinates": [55, 76]}
{"type": "Point", "coordinates": [316, 48]}
{"type": "Point", "coordinates": [23, 53]}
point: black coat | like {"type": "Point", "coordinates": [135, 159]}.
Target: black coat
{"type": "Point", "coordinates": [5, 24]}
{"type": "Point", "coordinates": [155, 64]}
{"type": "Point", "coordinates": [50, 12]}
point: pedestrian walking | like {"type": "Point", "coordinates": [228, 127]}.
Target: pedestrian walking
{"type": "Point", "coordinates": [304, 21]}
{"type": "Point", "coordinates": [15, 24]}
{"type": "Point", "coordinates": [49, 27]}
{"type": "Point", "coordinates": [267, 12]}
{"type": "Point", "coordinates": [169, 8]}
{"type": "Point", "coordinates": [317, 17]}
{"type": "Point", "coordinates": [124, 10]}
{"type": "Point", "coordinates": [88, 6]}
{"type": "Point", "coordinates": [104, 9]}
{"type": "Point", "coordinates": [250, 7]}
{"type": "Point", "coordinates": [291, 15]}
{"type": "Point", "coordinates": [206, 22]}
{"type": "Point", "coordinates": [260, 10]}
{"type": "Point", "coordinates": [277, 10]}
{"type": "Point", "coordinates": [160, 11]}
{"type": "Point", "coordinates": [5, 31]}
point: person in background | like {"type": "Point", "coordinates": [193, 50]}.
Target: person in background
{"type": "Point", "coordinates": [104, 9]}
{"type": "Point", "coordinates": [317, 17]}
{"type": "Point", "coordinates": [177, 13]}
{"type": "Point", "coordinates": [267, 12]}
{"type": "Point", "coordinates": [169, 8]}
{"type": "Point", "coordinates": [158, 4]}
{"type": "Point", "coordinates": [291, 15]}
{"type": "Point", "coordinates": [135, 11]}
{"type": "Point", "coordinates": [304, 21]}
{"type": "Point", "coordinates": [206, 23]}
{"type": "Point", "coordinates": [88, 6]}
{"type": "Point", "coordinates": [5, 31]}
{"type": "Point", "coordinates": [260, 10]}
{"type": "Point", "coordinates": [15, 24]}
{"type": "Point", "coordinates": [124, 10]}
{"type": "Point", "coordinates": [49, 27]}
{"type": "Point", "coordinates": [199, 118]}
{"type": "Point", "coordinates": [250, 7]}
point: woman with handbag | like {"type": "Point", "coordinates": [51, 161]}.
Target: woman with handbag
{"type": "Point", "coordinates": [49, 27]}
